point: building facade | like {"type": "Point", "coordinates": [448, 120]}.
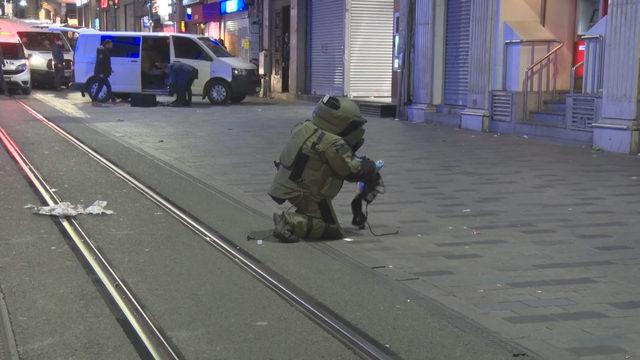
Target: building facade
{"type": "Point", "coordinates": [559, 69]}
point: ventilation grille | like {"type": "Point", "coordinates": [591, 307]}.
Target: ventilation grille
{"type": "Point", "coordinates": [583, 113]}
{"type": "Point", "coordinates": [501, 106]}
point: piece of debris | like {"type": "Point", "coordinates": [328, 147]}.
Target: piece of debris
{"type": "Point", "coordinates": [66, 209]}
{"type": "Point", "coordinates": [262, 323]}
{"type": "Point", "coordinates": [525, 136]}
{"type": "Point", "coordinates": [348, 239]}
{"type": "Point", "coordinates": [98, 208]}
{"type": "Point", "coordinates": [259, 242]}
{"type": "Point", "coordinates": [466, 210]}
{"type": "Point", "coordinates": [596, 148]}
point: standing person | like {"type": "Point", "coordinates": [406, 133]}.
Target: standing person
{"type": "Point", "coordinates": [58, 63]}
{"type": "Point", "coordinates": [103, 70]}
{"type": "Point", "coordinates": [3, 88]}
{"type": "Point", "coordinates": [316, 160]}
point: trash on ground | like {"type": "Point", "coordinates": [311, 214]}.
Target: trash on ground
{"type": "Point", "coordinates": [347, 239]}
{"type": "Point", "coordinates": [98, 208]}
{"type": "Point", "coordinates": [466, 210]}
{"type": "Point", "coordinates": [259, 242]}
{"type": "Point", "coordinates": [525, 137]}
{"type": "Point", "coordinates": [66, 209]}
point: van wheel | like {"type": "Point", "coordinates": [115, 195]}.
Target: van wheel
{"type": "Point", "coordinates": [238, 99]}
{"type": "Point", "coordinates": [219, 92]}
{"type": "Point", "coordinates": [27, 91]}
{"type": "Point", "coordinates": [92, 88]}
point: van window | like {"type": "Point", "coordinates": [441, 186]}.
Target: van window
{"type": "Point", "coordinates": [123, 46]}
{"type": "Point", "coordinates": [186, 48]}
{"type": "Point", "coordinates": [214, 46]}
{"type": "Point", "coordinates": [41, 41]}
{"type": "Point", "coordinates": [12, 51]}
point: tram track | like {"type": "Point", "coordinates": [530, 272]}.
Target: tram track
{"type": "Point", "coordinates": [355, 339]}
{"type": "Point", "coordinates": [143, 329]}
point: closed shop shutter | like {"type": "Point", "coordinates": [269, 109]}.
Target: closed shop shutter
{"type": "Point", "coordinates": [370, 48]}
{"type": "Point", "coordinates": [327, 47]}
{"type": "Point", "coordinates": [458, 36]}
{"type": "Point", "coordinates": [236, 35]}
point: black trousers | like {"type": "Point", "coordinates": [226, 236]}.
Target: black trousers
{"type": "Point", "coordinates": [58, 75]}
{"type": "Point", "coordinates": [3, 86]}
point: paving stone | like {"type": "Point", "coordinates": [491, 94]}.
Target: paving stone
{"type": "Point", "coordinates": [585, 351]}
{"type": "Point", "coordinates": [433, 273]}
{"type": "Point", "coordinates": [549, 302]}
{"type": "Point", "coordinates": [552, 282]}
{"type": "Point", "coordinates": [626, 305]}
{"type": "Point", "coordinates": [462, 256]}
{"type": "Point", "coordinates": [573, 264]}
{"type": "Point", "coordinates": [613, 247]}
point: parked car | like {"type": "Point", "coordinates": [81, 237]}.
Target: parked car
{"type": "Point", "coordinates": [139, 60]}
{"type": "Point", "coordinates": [17, 74]}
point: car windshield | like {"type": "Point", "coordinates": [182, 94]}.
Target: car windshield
{"type": "Point", "coordinates": [41, 41]}
{"type": "Point", "coordinates": [12, 51]}
{"type": "Point", "coordinates": [215, 47]}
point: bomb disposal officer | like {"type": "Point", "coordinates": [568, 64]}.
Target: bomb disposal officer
{"type": "Point", "coordinates": [313, 165]}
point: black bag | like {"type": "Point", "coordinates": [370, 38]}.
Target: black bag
{"type": "Point", "coordinates": [143, 100]}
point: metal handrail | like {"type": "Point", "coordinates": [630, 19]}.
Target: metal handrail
{"type": "Point", "coordinates": [550, 53]}
{"type": "Point", "coordinates": [505, 53]}
{"type": "Point", "coordinates": [573, 76]}
{"type": "Point", "coordinates": [530, 72]}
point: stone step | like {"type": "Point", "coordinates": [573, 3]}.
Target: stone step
{"type": "Point", "coordinates": [548, 118]}
{"type": "Point", "coordinates": [555, 106]}
{"type": "Point", "coordinates": [377, 109]}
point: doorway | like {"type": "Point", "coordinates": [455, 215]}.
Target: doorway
{"type": "Point", "coordinates": [286, 50]}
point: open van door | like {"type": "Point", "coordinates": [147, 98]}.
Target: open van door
{"type": "Point", "coordinates": [125, 62]}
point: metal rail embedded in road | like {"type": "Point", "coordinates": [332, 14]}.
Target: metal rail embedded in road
{"type": "Point", "coordinates": [146, 332]}
{"type": "Point", "coordinates": [358, 341]}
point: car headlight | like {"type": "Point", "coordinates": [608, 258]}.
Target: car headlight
{"type": "Point", "coordinates": [22, 67]}
{"type": "Point", "coordinates": [239, 72]}
{"type": "Point", "coordinates": [36, 60]}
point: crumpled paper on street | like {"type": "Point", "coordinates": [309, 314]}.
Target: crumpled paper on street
{"type": "Point", "coordinates": [66, 209]}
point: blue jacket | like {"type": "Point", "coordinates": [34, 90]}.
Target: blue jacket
{"type": "Point", "coordinates": [57, 54]}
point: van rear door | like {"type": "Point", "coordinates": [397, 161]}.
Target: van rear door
{"type": "Point", "coordinates": [125, 62]}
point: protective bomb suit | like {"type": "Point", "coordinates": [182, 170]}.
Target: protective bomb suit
{"type": "Point", "coordinates": [317, 158]}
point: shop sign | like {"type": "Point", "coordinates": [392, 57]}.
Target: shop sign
{"type": "Point", "coordinates": [104, 4]}
{"type": "Point", "coordinates": [81, 2]}
{"type": "Point", "coordinates": [189, 2]}
{"type": "Point", "coordinates": [231, 6]}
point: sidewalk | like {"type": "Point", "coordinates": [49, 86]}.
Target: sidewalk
{"type": "Point", "coordinates": [534, 240]}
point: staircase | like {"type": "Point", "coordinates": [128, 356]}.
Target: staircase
{"type": "Point", "coordinates": [553, 113]}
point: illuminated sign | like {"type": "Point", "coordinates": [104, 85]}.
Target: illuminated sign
{"type": "Point", "coordinates": [116, 3]}
{"type": "Point", "coordinates": [104, 4]}
{"type": "Point", "coordinates": [231, 6]}
{"type": "Point", "coordinates": [81, 2]}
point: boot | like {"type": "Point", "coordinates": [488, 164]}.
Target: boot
{"type": "Point", "coordinates": [282, 231]}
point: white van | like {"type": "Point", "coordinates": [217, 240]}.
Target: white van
{"type": "Point", "coordinates": [138, 60]}
{"type": "Point", "coordinates": [16, 72]}
{"type": "Point", "coordinates": [38, 45]}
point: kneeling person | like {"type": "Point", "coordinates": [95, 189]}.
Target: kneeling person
{"type": "Point", "coordinates": [313, 165]}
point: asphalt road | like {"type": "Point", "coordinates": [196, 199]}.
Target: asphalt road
{"type": "Point", "coordinates": [206, 304]}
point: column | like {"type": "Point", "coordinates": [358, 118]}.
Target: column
{"type": "Point", "coordinates": [297, 46]}
{"type": "Point", "coordinates": [422, 71]}
{"type": "Point", "coordinates": [617, 129]}
{"type": "Point", "coordinates": [476, 116]}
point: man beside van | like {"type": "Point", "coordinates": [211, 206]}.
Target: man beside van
{"type": "Point", "coordinates": [103, 70]}
{"type": "Point", "coordinates": [181, 78]}
{"type": "Point", "coordinates": [58, 63]}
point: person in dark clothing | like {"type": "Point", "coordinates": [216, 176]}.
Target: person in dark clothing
{"type": "Point", "coordinates": [58, 63]}
{"type": "Point", "coordinates": [103, 70]}
{"type": "Point", "coordinates": [181, 78]}
{"type": "Point", "coordinates": [3, 88]}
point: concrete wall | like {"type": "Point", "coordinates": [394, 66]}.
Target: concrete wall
{"type": "Point", "coordinates": [560, 21]}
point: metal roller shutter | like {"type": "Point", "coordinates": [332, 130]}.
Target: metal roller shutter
{"type": "Point", "coordinates": [327, 47]}
{"type": "Point", "coordinates": [370, 48]}
{"type": "Point", "coordinates": [456, 68]}
{"type": "Point", "coordinates": [237, 31]}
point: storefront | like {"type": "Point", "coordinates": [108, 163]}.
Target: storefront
{"type": "Point", "coordinates": [353, 54]}
{"type": "Point", "coordinates": [194, 17]}
{"type": "Point", "coordinates": [212, 19]}
{"type": "Point", "coordinates": [239, 29]}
